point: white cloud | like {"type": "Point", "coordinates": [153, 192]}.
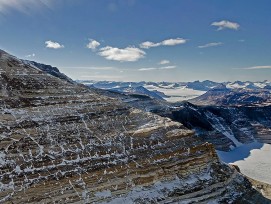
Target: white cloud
{"type": "Point", "coordinates": [213, 44]}
{"type": "Point", "coordinates": [53, 45]}
{"type": "Point", "coordinates": [168, 42]}
{"type": "Point", "coordinates": [171, 42]}
{"type": "Point", "coordinates": [257, 67]}
{"type": "Point", "coordinates": [128, 54]}
{"type": "Point", "coordinates": [226, 24]}
{"type": "Point", "coordinates": [156, 68]}
{"type": "Point", "coordinates": [168, 67]}
{"type": "Point", "coordinates": [164, 62]}
{"type": "Point", "coordinates": [148, 44]}
{"type": "Point", "coordinates": [30, 55]}
{"type": "Point", "coordinates": [147, 69]}
{"type": "Point", "coordinates": [93, 44]}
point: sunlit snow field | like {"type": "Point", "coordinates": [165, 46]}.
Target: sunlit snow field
{"type": "Point", "coordinates": [254, 160]}
{"type": "Point", "coordinates": [176, 94]}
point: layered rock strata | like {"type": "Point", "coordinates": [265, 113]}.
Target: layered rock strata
{"type": "Point", "coordinates": [63, 143]}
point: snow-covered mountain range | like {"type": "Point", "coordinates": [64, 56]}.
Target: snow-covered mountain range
{"type": "Point", "coordinates": [247, 92]}
{"type": "Point", "coordinates": [221, 95]}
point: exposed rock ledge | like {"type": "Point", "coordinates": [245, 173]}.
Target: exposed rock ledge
{"type": "Point", "coordinates": [262, 187]}
{"type": "Point", "coordinates": [62, 143]}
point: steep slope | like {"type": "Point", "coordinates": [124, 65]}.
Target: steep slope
{"type": "Point", "coordinates": [227, 127]}
{"type": "Point", "coordinates": [224, 126]}
{"type": "Point", "coordinates": [50, 70]}
{"type": "Point", "coordinates": [63, 143]}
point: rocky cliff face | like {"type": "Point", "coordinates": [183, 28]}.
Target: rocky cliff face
{"type": "Point", "coordinates": [63, 143]}
{"type": "Point", "coordinates": [227, 127]}
{"type": "Point", "coordinates": [224, 126]}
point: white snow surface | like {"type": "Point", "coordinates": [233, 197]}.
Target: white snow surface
{"type": "Point", "coordinates": [176, 94]}
{"type": "Point", "coordinates": [254, 160]}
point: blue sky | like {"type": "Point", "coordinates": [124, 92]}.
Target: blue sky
{"type": "Point", "coordinates": [134, 40]}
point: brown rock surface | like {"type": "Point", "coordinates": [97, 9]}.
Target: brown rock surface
{"type": "Point", "coordinates": [262, 187]}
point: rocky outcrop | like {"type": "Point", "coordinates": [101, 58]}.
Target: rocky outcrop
{"type": "Point", "coordinates": [63, 143]}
